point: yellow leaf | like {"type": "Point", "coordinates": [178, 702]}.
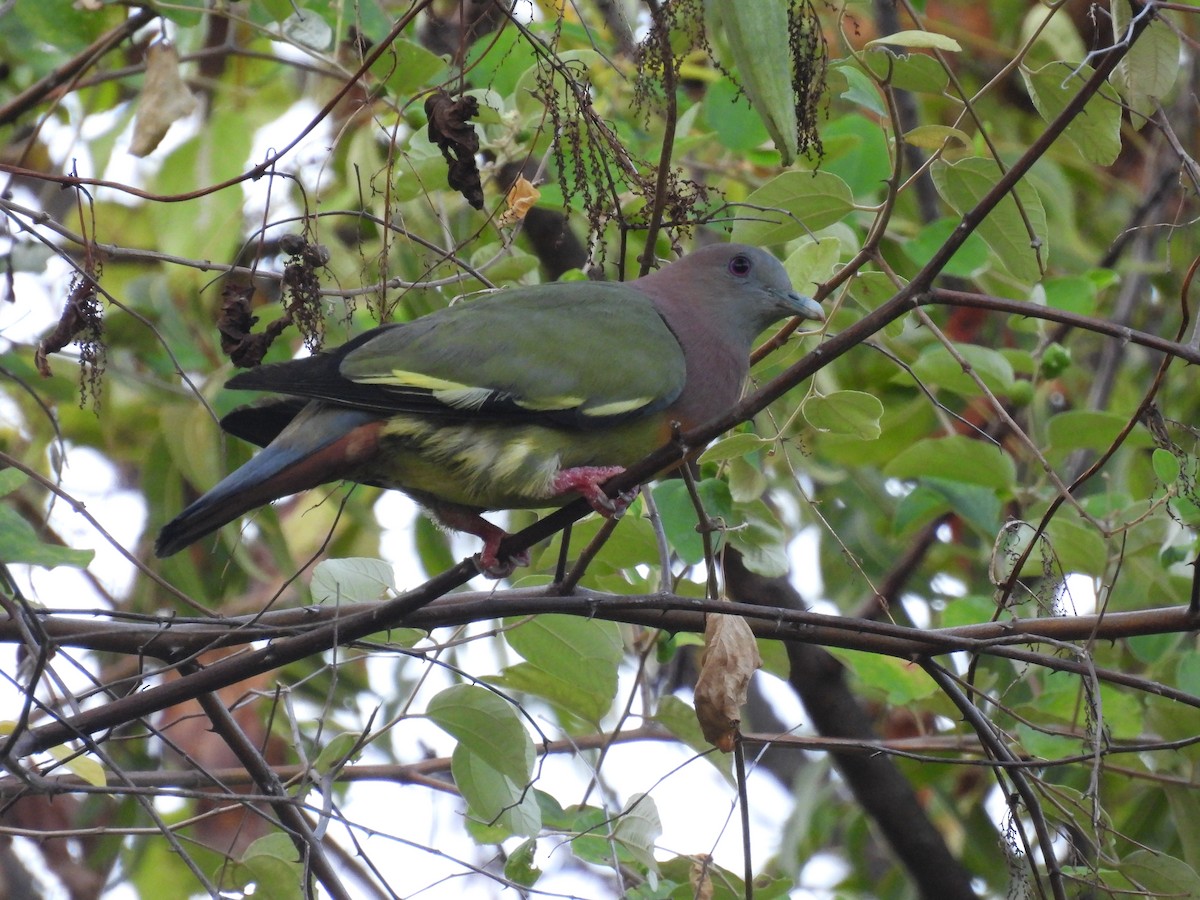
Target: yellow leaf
{"type": "Point", "coordinates": [521, 197]}
{"type": "Point", "coordinates": [83, 766]}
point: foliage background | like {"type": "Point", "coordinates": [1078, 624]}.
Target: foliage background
{"type": "Point", "coordinates": [980, 477]}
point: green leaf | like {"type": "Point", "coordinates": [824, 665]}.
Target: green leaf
{"type": "Point", "coordinates": [956, 458]}
{"type": "Point", "coordinates": [632, 544]}
{"type": "Point", "coordinates": [486, 725]}
{"type": "Point", "coordinates": [432, 546]}
{"type": "Point", "coordinates": [746, 480]}
{"type": "Point", "coordinates": [519, 867]}
{"type": "Point", "coordinates": [978, 506]}
{"type": "Point", "coordinates": [1067, 545]}
{"type": "Point", "coordinates": [1054, 35]}
{"type": "Point", "coordinates": [964, 184]}
{"type": "Point", "coordinates": [735, 446]}
{"type": "Point", "coordinates": [758, 35]}
{"type": "Point", "coordinates": [553, 815]}
{"type": "Point", "coordinates": [270, 864]}
{"type": "Point", "coordinates": [858, 152]}
{"type": "Point", "coordinates": [1086, 429]}
{"type": "Point", "coordinates": [1077, 546]}
{"type": "Point", "coordinates": [352, 580]}
{"type": "Point", "coordinates": [872, 289]}
{"type": "Point", "coordinates": [845, 412]}
{"type": "Point", "coordinates": [1166, 465]}
{"type": "Point", "coordinates": [724, 885]}
{"type": "Point", "coordinates": [638, 827]}
{"type": "Point", "coordinates": [592, 844]}
{"type": "Point", "coordinates": [1150, 69]}
{"type": "Point", "coordinates": [1096, 131]}
{"type": "Point", "coordinates": [418, 173]}
{"type": "Point", "coordinates": [1185, 818]}
{"type": "Point", "coordinates": [761, 540]}
{"type": "Point", "coordinates": [813, 262]}
{"type": "Point", "coordinates": [735, 121]}
{"type": "Point", "coordinates": [1188, 673]}
{"type": "Point", "coordinates": [1123, 714]}
{"type": "Point", "coordinates": [1159, 875]}
{"type": "Point", "coordinates": [21, 544]}
{"type": "Point", "coordinates": [791, 205]}
{"type": "Point", "coordinates": [10, 480]}
{"type": "Point", "coordinates": [1075, 294]}
{"type": "Point", "coordinates": [860, 89]}
{"type": "Point", "coordinates": [338, 752]}
{"type": "Point", "coordinates": [899, 681]}
{"type": "Point", "coordinates": [679, 718]}
{"type": "Point", "coordinates": [570, 661]}
{"type": "Point", "coordinates": [408, 67]}
{"type": "Point", "coordinates": [494, 799]}
{"type": "Point", "coordinates": [679, 518]}
{"type": "Point", "coordinates": [917, 72]}
{"type": "Point", "coordinates": [307, 29]}
{"type": "Point", "coordinates": [532, 98]}
{"type": "Point", "coordinates": [1046, 746]}
{"type": "Point", "coordinates": [968, 260]}
{"type": "Point", "coordinates": [632, 832]}
{"type": "Point", "coordinates": [924, 39]}
{"type": "Point", "coordinates": [918, 507]}
{"type": "Point", "coordinates": [501, 61]}
{"type": "Point", "coordinates": [64, 26]}
{"type": "Point", "coordinates": [277, 10]}
{"type": "Point", "coordinates": [941, 371]}
{"type": "Point", "coordinates": [936, 137]}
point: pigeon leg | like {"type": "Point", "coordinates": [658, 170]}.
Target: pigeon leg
{"type": "Point", "coordinates": [460, 518]}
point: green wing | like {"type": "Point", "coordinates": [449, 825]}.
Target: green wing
{"type": "Point", "coordinates": [578, 353]}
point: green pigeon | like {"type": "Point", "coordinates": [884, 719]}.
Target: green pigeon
{"type": "Point", "coordinates": [524, 398]}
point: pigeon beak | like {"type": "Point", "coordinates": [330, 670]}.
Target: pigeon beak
{"type": "Point", "coordinates": [805, 307]}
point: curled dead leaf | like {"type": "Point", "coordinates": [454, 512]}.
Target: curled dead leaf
{"type": "Point", "coordinates": [165, 99]}
{"type": "Point", "coordinates": [521, 198]}
{"type": "Point", "coordinates": [700, 877]}
{"type": "Point", "coordinates": [730, 659]}
{"type": "Point", "coordinates": [244, 348]}
{"type": "Point", "coordinates": [451, 129]}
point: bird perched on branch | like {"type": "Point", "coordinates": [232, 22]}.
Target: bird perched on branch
{"type": "Point", "coordinates": [524, 398]}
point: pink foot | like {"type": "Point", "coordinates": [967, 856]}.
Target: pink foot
{"type": "Point", "coordinates": [464, 519]}
{"type": "Point", "coordinates": [489, 560]}
{"type": "Point", "coordinates": [587, 480]}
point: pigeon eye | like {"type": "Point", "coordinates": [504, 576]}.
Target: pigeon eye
{"type": "Point", "coordinates": [740, 266]}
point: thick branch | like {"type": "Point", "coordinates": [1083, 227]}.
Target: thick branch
{"type": "Point", "coordinates": [658, 611]}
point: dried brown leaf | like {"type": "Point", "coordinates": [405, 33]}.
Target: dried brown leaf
{"type": "Point", "coordinates": [700, 877]}
{"type": "Point", "coordinates": [730, 659]}
{"type": "Point", "coordinates": [451, 129]}
{"type": "Point", "coordinates": [81, 321]}
{"type": "Point", "coordinates": [165, 99]}
{"type": "Point", "coordinates": [244, 348]}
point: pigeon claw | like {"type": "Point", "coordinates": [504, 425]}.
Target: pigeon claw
{"type": "Point", "coordinates": [490, 566]}
{"type": "Point", "coordinates": [587, 481]}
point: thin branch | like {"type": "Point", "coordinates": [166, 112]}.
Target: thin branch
{"type": "Point", "coordinates": [986, 732]}
{"type": "Point", "coordinates": [37, 92]}
{"type": "Point", "coordinates": [268, 783]}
